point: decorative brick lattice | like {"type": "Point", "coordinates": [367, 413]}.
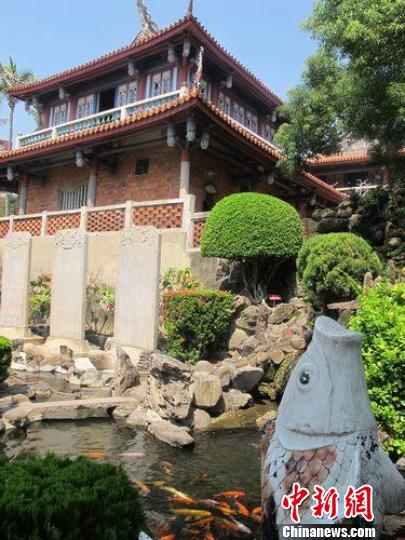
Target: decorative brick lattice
{"type": "Point", "coordinates": [162, 216]}
{"type": "Point", "coordinates": [62, 222]}
{"type": "Point", "coordinates": [198, 229]}
{"type": "Point", "coordinates": [106, 220]}
{"type": "Point", "coordinates": [4, 228]}
{"type": "Point", "coordinates": [31, 225]}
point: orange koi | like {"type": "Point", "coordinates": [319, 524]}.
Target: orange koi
{"type": "Point", "coordinates": [168, 537]}
{"type": "Point", "coordinates": [143, 488]}
{"type": "Point", "coordinates": [236, 526]}
{"type": "Point", "coordinates": [209, 537]}
{"type": "Point", "coordinates": [183, 500]}
{"type": "Point", "coordinates": [242, 509]}
{"type": "Point", "coordinates": [231, 495]}
{"type": "Point", "coordinates": [203, 522]}
{"type": "Point", "coordinates": [257, 510]}
{"type": "Point", "coordinates": [192, 513]}
{"type": "Point", "coordinates": [256, 518]}
{"type": "Point", "coordinates": [94, 454]}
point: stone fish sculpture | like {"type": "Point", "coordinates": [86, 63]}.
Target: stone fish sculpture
{"type": "Point", "coordinates": [326, 435]}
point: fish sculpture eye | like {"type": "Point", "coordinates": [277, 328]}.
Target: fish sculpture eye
{"type": "Point", "coordinates": [305, 377]}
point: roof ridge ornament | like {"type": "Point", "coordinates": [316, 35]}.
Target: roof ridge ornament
{"type": "Point", "coordinates": [190, 7]}
{"type": "Point", "coordinates": [149, 27]}
{"type": "Point", "coordinates": [199, 72]}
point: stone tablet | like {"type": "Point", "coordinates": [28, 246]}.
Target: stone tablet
{"type": "Point", "coordinates": [15, 282]}
{"type": "Point", "coordinates": [137, 290]}
{"type": "Point", "coordinates": [68, 302]}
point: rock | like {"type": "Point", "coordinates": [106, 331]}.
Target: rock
{"type": "Point", "coordinates": [101, 360]}
{"type": "Point", "coordinates": [395, 242]}
{"type": "Point", "coordinates": [243, 418]}
{"type": "Point", "coordinates": [345, 212]}
{"type": "Point", "coordinates": [260, 359]}
{"type": "Point", "coordinates": [248, 319]}
{"type": "Point", "coordinates": [137, 418]}
{"type": "Point", "coordinates": [46, 368]}
{"type": "Point", "coordinates": [235, 399]}
{"type": "Point", "coordinates": [283, 312]}
{"type": "Point", "coordinates": [170, 434]}
{"type": "Point", "coordinates": [83, 364]}
{"type": "Point", "coordinates": [73, 380]}
{"type": "Point", "coordinates": [401, 464]}
{"type": "Point", "coordinates": [19, 399]}
{"type": "Point", "coordinates": [250, 345]}
{"type": "Point", "coordinates": [43, 390]}
{"type": "Point", "coordinates": [247, 378]}
{"type": "Point", "coordinates": [60, 370]}
{"type": "Point", "coordinates": [277, 356]}
{"type": "Point", "coordinates": [62, 397]}
{"type": "Point", "coordinates": [298, 343]}
{"type": "Point", "coordinates": [262, 422]}
{"type": "Point", "coordinates": [91, 378]}
{"type": "Point", "coordinates": [276, 388]}
{"type": "Point", "coordinates": [18, 366]}
{"type": "Point", "coordinates": [95, 393]}
{"type": "Point", "coordinates": [237, 340]}
{"type": "Point", "coordinates": [126, 374]}
{"type": "Point", "coordinates": [122, 412]}
{"type": "Point", "coordinates": [201, 420]}
{"type": "Point", "coordinates": [204, 367]}
{"type": "Point", "coordinates": [224, 372]}
{"type": "Point", "coordinates": [138, 393]}
{"type": "Point", "coordinates": [333, 224]}
{"type": "Point", "coordinates": [394, 526]}
{"type": "Point", "coordinates": [207, 390]}
{"type": "Point", "coordinates": [241, 303]}
{"type": "Point", "coordinates": [168, 387]}
{"type": "Point", "coordinates": [270, 374]}
{"type": "Point", "coordinates": [355, 220]}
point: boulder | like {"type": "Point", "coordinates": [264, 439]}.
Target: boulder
{"type": "Point", "coordinates": [248, 320]}
{"type": "Point", "coordinates": [168, 387]}
{"type": "Point", "coordinates": [224, 372]}
{"type": "Point", "coordinates": [235, 399]}
{"type": "Point", "coordinates": [91, 378]}
{"type": "Point", "coordinates": [170, 434]}
{"type": "Point", "coordinates": [83, 364]}
{"type": "Point", "coordinates": [137, 418]}
{"type": "Point", "coordinates": [282, 313]}
{"type": "Point", "coordinates": [204, 367]}
{"type": "Point", "coordinates": [262, 422]}
{"type": "Point", "coordinates": [246, 378]}
{"type": "Point", "coordinates": [207, 390]}
{"type": "Point", "coordinates": [126, 374]}
{"type": "Point", "coordinates": [298, 343]}
{"type": "Point", "coordinates": [277, 356]}
{"type": "Point", "coordinates": [241, 303]}
{"type": "Point", "coordinates": [18, 366]}
{"type": "Point", "coordinates": [237, 340]}
{"type": "Point", "coordinates": [201, 420]}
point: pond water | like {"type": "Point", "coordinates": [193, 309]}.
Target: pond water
{"type": "Point", "coordinates": [220, 461]}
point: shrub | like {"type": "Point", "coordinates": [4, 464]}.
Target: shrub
{"type": "Point", "coordinates": [6, 350]}
{"type": "Point", "coordinates": [381, 319]}
{"type": "Point", "coordinates": [100, 306]}
{"type": "Point", "coordinates": [331, 267]}
{"type": "Point", "coordinates": [257, 230]}
{"type": "Point", "coordinates": [40, 300]}
{"type": "Point", "coordinates": [195, 321]}
{"type": "Point", "coordinates": [56, 498]}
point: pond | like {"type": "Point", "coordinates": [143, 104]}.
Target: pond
{"type": "Point", "coordinates": [220, 461]}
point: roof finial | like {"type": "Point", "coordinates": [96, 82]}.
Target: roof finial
{"type": "Point", "coordinates": [190, 7]}
{"type": "Point", "coordinates": [199, 73]}
{"type": "Point", "coordinates": [149, 27]}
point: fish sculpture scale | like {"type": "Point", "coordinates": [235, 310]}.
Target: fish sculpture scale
{"type": "Point", "coordinates": [326, 435]}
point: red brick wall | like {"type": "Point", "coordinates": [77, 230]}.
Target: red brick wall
{"type": "Point", "coordinates": [162, 181]}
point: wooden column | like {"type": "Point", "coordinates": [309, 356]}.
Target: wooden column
{"type": "Point", "coordinates": [92, 184]}
{"type": "Point", "coordinates": [184, 173]}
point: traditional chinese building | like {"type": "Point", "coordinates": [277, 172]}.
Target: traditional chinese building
{"type": "Point", "coordinates": [151, 134]}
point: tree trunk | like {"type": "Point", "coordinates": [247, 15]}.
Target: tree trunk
{"type": "Point", "coordinates": [256, 275]}
{"type": "Point", "coordinates": [10, 136]}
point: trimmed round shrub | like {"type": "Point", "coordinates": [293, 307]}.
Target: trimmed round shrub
{"type": "Point", "coordinates": [195, 321]}
{"type": "Point", "coordinates": [259, 231]}
{"type": "Point", "coordinates": [54, 498]}
{"type": "Point", "coordinates": [331, 267]}
{"type": "Point", "coordinates": [381, 320]}
{"type": "Point", "coordinates": [6, 350]}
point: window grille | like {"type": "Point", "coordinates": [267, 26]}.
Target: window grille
{"type": "Point", "coordinates": [72, 200]}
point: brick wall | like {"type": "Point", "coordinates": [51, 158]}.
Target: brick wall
{"type": "Point", "coordinates": [162, 181]}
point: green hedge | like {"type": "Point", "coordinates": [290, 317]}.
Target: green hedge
{"type": "Point", "coordinates": [331, 267]}
{"type": "Point", "coordinates": [55, 498]}
{"type": "Point", "coordinates": [195, 321]}
{"type": "Point", "coordinates": [381, 320]}
{"type": "Point", "coordinates": [6, 350]}
{"type": "Point", "coordinates": [252, 225]}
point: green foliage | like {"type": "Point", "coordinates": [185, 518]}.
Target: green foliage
{"type": "Point", "coordinates": [195, 321]}
{"type": "Point", "coordinates": [176, 279]}
{"type": "Point", "coordinates": [40, 300]}
{"type": "Point", "coordinates": [252, 225]}
{"type": "Point", "coordinates": [353, 84]}
{"type": "Point", "coordinates": [257, 230]}
{"type": "Point", "coordinates": [100, 306]}
{"type": "Point", "coordinates": [331, 267]}
{"type": "Point", "coordinates": [381, 320]}
{"type": "Point", "coordinates": [55, 498]}
{"type": "Point", "coordinates": [6, 350]}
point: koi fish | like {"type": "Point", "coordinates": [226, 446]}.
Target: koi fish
{"type": "Point", "coordinates": [183, 500]}
{"type": "Point", "coordinates": [94, 455]}
{"type": "Point", "coordinates": [159, 484]}
{"type": "Point", "coordinates": [257, 510]}
{"type": "Point", "coordinates": [231, 494]}
{"type": "Point", "coordinates": [174, 492]}
{"type": "Point", "coordinates": [132, 455]}
{"type": "Point", "coordinates": [167, 467]}
{"type": "Point", "coordinates": [203, 522]}
{"type": "Point", "coordinates": [192, 513]}
{"type": "Point", "coordinates": [236, 526]}
{"type": "Point", "coordinates": [242, 509]}
{"type": "Point", "coordinates": [143, 488]}
{"type": "Point", "coordinates": [168, 537]}
{"type": "Point", "coordinates": [209, 537]}
{"type": "Point", "coordinates": [256, 518]}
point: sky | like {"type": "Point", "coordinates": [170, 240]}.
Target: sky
{"type": "Point", "coordinates": [49, 36]}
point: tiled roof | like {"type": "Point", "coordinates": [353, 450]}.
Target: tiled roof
{"type": "Point", "coordinates": [133, 48]}
{"type": "Point", "coordinates": [342, 157]}
{"type": "Point", "coordinates": [191, 98]}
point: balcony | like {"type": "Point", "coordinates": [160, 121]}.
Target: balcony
{"type": "Point", "coordinates": [97, 119]}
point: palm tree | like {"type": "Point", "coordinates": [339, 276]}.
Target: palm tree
{"type": "Point", "coordinates": [10, 76]}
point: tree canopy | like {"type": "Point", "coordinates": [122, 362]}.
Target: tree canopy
{"type": "Point", "coordinates": [354, 85]}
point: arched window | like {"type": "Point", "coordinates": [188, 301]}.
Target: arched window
{"type": "Point", "coordinates": [210, 197]}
